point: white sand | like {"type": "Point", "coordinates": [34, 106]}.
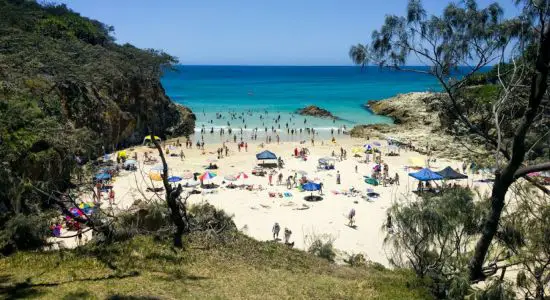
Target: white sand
{"type": "Point", "coordinates": [255, 212]}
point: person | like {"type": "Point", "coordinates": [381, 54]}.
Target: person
{"type": "Point", "coordinates": [351, 217]}
{"type": "Point", "coordinates": [356, 171]}
{"type": "Point", "coordinates": [464, 166]}
{"type": "Point", "coordinates": [79, 235]}
{"type": "Point", "coordinates": [246, 147]}
{"type": "Point", "coordinates": [287, 235]}
{"type": "Point", "coordinates": [276, 228]}
{"type": "Point", "coordinates": [270, 178]}
{"type": "Point", "coordinates": [182, 156]}
{"type": "Point", "coordinates": [338, 177]}
{"type": "Point", "coordinates": [396, 179]}
{"type": "Point", "coordinates": [112, 196]}
{"type": "Point", "coordinates": [389, 225]}
{"type": "Point", "coordinates": [321, 188]}
{"type": "Point", "coordinates": [280, 180]}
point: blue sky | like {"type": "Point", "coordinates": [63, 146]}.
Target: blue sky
{"type": "Point", "coordinates": [250, 32]}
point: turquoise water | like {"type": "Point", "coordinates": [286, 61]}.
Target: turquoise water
{"type": "Point", "coordinates": [257, 96]}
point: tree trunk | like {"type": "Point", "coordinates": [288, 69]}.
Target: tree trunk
{"type": "Point", "coordinates": [539, 84]}
{"type": "Point", "coordinates": [177, 213]}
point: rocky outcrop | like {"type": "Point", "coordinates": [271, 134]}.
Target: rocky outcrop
{"type": "Point", "coordinates": [316, 111]}
{"type": "Point", "coordinates": [416, 122]}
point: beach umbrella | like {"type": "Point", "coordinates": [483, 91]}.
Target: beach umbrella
{"type": "Point", "coordinates": [311, 187]}
{"type": "Point", "coordinates": [158, 168]}
{"type": "Point", "coordinates": [357, 150]}
{"type": "Point", "coordinates": [187, 175]}
{"type": "Point", "coordinates": [207, 176]}
{"type": "Point", "coordinates": [174, 179]}
{"type": "Point", "coordinates": [155, 176]}
{"type": "Point", "coordinates": [230, 178]}
{"type": "Point", "coordinates": [302, 172]}
{"type": "Point", "coordinates": [416, 161]}
{"type": "Point", "coordinates": [76, 212]}
{"type": "Point", "coordinates": [377, 144]}
{"type": "Point", "coordinates": [367, 147]}
{"type": "Point", "coordinates": [242, 176]}
{"type": "Point", "coordinates": [103, 176]}
{"type": "Point", "coordinates": [130, 162]}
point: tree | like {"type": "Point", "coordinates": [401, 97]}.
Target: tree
{"type": "Point", "coordinates": [454, 47]}
{"type": "Point", "coordinates": [177, 207]}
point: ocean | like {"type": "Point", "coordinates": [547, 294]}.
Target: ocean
{"type": "Point", "coordinates": [267, 97]}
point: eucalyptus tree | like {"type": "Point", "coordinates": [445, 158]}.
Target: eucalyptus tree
{"type": "Point", "coordinates": [454, 47]}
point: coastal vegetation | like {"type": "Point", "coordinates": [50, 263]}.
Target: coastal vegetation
{"type": "Point", "coordinates": [68, 94]}
{"type": "Point", "coordinates": [505, 111]}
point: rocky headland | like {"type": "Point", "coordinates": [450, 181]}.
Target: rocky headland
{"type": "Point", "coordinates": [416, 121]}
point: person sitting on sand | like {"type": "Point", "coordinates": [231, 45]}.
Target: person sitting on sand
{"type": "Point", "coordinates": [351, 217]}
{"type": "Point", "coordinates": [287, 235]}
{"type": "Point", "coordinates": [276, 228]}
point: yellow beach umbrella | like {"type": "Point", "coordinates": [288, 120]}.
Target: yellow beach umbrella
{"type": "Point", "coordinates": [122, 154]}
{"type": "Point", "coordinates": [155, 176]}
{"type": "Point", "coordinates": [356, 150]}
{"type": "Point", "coordinates": [416, 161]}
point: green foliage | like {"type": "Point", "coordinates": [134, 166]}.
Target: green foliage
{"type": "Point", "coordinates": [322, 246]}
{"type": "Point", "coordinates": [67, 90]}
{"type": "Point", "coordinates": [25, 232]}
{"type": "Point", "coordinates": [433, 236]}
{"type": "Point", "coordinates": [144, 267]}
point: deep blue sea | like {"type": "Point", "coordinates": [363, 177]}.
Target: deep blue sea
{"type": "Point", "coordinates": [255, 96]}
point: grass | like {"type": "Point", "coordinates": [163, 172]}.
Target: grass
{"type": "Point", "coordinates": [144, 268]}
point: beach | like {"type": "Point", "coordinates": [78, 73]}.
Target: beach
{"type": "Point", "coordinates": [255, 212]}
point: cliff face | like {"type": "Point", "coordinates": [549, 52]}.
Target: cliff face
{"type": "Point", "coordinates": [67, 90]}
{"type": "Point", "coordinates": [70, 67]}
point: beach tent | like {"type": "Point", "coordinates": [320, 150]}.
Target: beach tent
{"type": "Point", "coordinates": [266, 155]}
{"type": "Point", "coordinates": [449, 173]}
{"type": "Point", "coordinates": [426, 175]}
{"type": "Point", "coordinates": [148, 139]}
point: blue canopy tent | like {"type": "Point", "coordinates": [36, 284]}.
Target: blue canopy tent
{"type": "Point", "coordinates": [426, 175]}
{"type": "Point", "coordinates": [449, 173]}
{"type": "Point", "coordinates": [266, 155]}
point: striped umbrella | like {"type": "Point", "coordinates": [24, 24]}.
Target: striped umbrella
{"type": "Point", "coordinates": [207, 176]}
{"type": "Point", "coordinates": [242, 176]}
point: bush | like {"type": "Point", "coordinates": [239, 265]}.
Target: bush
{"type": "Point", "coordinates": [25, 232]}
{"type": "Point", "coordinates": [356, 260]}
{"type": "Point", "coordinates": [323, 246]}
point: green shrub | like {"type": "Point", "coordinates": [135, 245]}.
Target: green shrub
{"type": "Point", "coordinates": [323, 247]}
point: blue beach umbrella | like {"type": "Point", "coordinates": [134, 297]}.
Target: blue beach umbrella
{"type": "Point", "coordinates": [377, 144]}
{"type": "Point", "coordinates": [174, 179]}
{"type": "Point", "coordinates": [311, 187]}
{"type": "Point", "coordinates": [103, 176]}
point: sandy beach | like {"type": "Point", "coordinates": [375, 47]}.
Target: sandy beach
{"type": "Point", "coordinates": [255, 212]}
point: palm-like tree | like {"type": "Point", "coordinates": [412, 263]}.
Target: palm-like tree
{"type": "Point", "coordinates": [359, 54]}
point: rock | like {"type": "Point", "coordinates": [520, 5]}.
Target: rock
{"type": "Point", "coordinates": [316, 111]}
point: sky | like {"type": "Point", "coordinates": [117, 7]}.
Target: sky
{"type": "Point", "coordinates": [251, 32]}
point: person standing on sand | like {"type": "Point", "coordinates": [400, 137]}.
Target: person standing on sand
{"type": "Point", "coordinates": [351, 217]}
{"type": "Point", "coordinates": [182, 156]}
{"type": "Point", "coordinates": [287, 235]}
{"type": "Point", "coordinates": [338, 177]}
{"type": "Point", "coordinates": [356, 171]}
{"type": "Point", "coordinates": [270, 178]}
{"type": "Point", "coordinates": [275, 230]}
{"type": "Point", "coordinates": [280, 180]}
{"type": "Point", "coordinates": [246, 147]}
{"type": "Point", "coordinates": [396, 179]}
